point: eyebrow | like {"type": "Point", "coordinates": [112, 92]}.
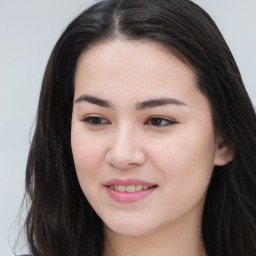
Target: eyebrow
{"type": "Point", "coordinates": [158, 102]}
{"type": "Point", "coordinates": [139, 106]}
{"type": "Point", "coordinates": [93, 100]}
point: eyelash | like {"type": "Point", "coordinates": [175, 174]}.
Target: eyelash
{"type": "Point", "coordinates": [95, 120]}
{"type": "Point", "coordinates": [98, 121]}
{"type": "Point", "coordinates": [167, 121]}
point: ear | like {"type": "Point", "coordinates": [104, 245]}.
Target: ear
{"type": "Point", "coordinates": [223, 154]}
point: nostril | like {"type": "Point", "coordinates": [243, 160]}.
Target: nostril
{"type": "Point", "coordinates": [125, 159]}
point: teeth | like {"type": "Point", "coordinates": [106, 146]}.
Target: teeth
{"type": "Point", "coordinates": [138, 187]}
{"type": "Point", "coordinates": [121, 188]}
{"type": "Point", "coordinates": [128, 189]}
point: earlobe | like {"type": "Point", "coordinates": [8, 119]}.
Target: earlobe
{"type": "Point", "coordinates": [223, 155]}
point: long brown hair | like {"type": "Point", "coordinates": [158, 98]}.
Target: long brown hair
{"type": "Point", "coordinates": [60, 221]}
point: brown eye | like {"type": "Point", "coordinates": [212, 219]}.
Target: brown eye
{"type": "Point", "coordinates": [95, 120]}
{"type": "Point", "coordinates": [160, 121]}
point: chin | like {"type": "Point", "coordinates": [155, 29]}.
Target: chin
{"type": "Point", "coordinates": [133, 232]}
{"type": "Point", "coordinates": [136, 229]}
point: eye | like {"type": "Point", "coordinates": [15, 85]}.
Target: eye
{"type": "Point", "coordinates": [95, 120]}
{"type": "Point", "coordinates": [160, 121]}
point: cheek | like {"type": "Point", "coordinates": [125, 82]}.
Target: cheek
{"type": "Point", "coordinates": [185, 164]}
{"type": "Point", "coordinates": [87, 158]}
{"type": "Point", "coordinates": [182, 152]}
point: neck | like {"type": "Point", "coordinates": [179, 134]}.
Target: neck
{"type": "Point", "coordinates": [179, 239]}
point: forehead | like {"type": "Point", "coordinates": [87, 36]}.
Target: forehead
{"type": "Point", "coordinates": [130, 64]}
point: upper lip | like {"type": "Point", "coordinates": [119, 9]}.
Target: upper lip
{"type": "Point", "coordinates": [128, 182]}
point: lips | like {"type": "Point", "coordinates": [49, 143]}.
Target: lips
{"type": "Point", "coordinates": [129, 190]}
{"type": "Point", "coordinates": [128, 182]}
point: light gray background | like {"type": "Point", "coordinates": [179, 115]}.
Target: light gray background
{"type": "Point", "coordinates": [28, 32]}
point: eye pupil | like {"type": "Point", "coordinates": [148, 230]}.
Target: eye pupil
{"type": "Point", "coordinates": [96, 120]}
{"type": "Point", "coordinates": [156, 121]}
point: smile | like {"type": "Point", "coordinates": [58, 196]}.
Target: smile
{"type": "Point", "coordinates": [128, 191]}
{"type": "Point", "coordinates": [130, 188]}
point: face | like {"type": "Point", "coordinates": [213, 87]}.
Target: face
{"type": "Point", "coordinates": [142, 137]}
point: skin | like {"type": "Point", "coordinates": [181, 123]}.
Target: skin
{"type": "Point", "coordinates": [128, 143]}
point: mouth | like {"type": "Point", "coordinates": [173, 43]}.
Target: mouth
{"type": "Point", "coordinates": [130, 188]}
{"type": "Point", "coordinates": [128, 191]}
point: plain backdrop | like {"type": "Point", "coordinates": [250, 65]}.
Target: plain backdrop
{"type": "Point", "coordinates": [28, 32]}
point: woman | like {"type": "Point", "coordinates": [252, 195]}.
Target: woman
{"type": "Point", "coordinates": [145, 138]}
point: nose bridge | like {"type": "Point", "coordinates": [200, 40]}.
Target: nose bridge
{"type": "Point", "coordinates": [124, 134]}
{"type": "Point", "coordinates": [126, 148]}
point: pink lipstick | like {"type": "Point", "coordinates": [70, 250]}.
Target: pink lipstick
{"type": "Point", "coordinates": [130, 190]}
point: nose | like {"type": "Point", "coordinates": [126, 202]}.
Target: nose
{"type": "Point", "coordinates": [126, 150]}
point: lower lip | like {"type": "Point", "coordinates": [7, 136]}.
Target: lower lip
{"type": "Point", "coordinates": [125, 197]}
